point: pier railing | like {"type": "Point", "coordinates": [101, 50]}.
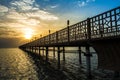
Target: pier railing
{"type": "Point", "coordinates": [103, 25]}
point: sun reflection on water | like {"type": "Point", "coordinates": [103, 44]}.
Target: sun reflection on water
{"type": "Point", "coordinates": [15, 64]}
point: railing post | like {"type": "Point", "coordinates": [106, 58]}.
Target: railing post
{"type": "Point", "coordinates": [102, 27]}
{"type": "Point", "coordinates": [116, 22]}
{"type": "Point", "coordinates": [44, 41]}
{"type": "Point", "coordinates": [68, 31]}
{"type": "Point", "coordinates": [88, 29]}
{"type": "Point", "coordinates": [49, 36]}
{"type": "Point", "coordinates": [56, 36]}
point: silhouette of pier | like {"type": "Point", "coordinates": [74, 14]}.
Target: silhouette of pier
{"type": "Point", "coordinates": [102, 32]}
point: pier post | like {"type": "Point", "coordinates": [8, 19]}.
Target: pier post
{"type": "Point", "coordinates": [46, 54]}
{"type": "Point", "coordinates": [32, 49]}
{"type": "Point", "coordinates": [28, 48]}
{"type": "Point", "coordinates": [64, 54]}
{"type": "Point", "coordinates": [54, 52]}
{"type": "Point", "coordinates": [43, 51]}
{"type": "Point", "coordinates": [39, 50]}
{"type": "Point", "coordinates": [35, 49]}
{"type": "Point", "coordinates": [58, 57]}
{"type": "Point", "coordinates": [79, 51]}
{"type": "Point", "coordinates": [88, 61]}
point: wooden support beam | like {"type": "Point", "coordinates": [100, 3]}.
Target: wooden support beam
{"type": "Point", "coordinates": [88, 61]}
{"type": "Point", "coordinates": [32, 49]}
{"type": "Point", "coordinates": [58, 57]}
{"type": "Point", "coordinates": [64, 54]}
{"type": "Point", "coordinates": [79, 51]}
{"type": "Point", "coordinates": [54, 52]}
{"type": "Point", "coordinates": [39, 50]}
{"type": "Point", "coordinates": [35, 49]}
{"type": "Point", "coordinates": [43, 51]}
{"type": "Point", "coordinates": [46, 54]}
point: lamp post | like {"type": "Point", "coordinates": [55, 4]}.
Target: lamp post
{"type": "Point", "coordinates": [49, 36]}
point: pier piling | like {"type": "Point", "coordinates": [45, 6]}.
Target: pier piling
{"type": "Point", "coordinates": [64, 54]}
{"type": "Point", "coordinates": [58, 57]}
{"type": "Point", "coordinates": [43, 51]}
{"type": "Point", "coordinates": [46, 54]}
{"type": "Point", "coordinates": [53, 52]}
{"type": "Point", "coordinates": [79, 51]}
{"type": "Point", "coordinates": [88, 61]}
{"type": "Point", "coordinates": [39, 50]}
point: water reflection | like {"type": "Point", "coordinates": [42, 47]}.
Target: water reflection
{"type": "Point", "coordinates": [16, 64]}
{"type": "Point", "coordinates": [72, 59]}
{"type": "Point", "coordinates": [72, 62]}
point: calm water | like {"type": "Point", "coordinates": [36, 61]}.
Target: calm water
{"type": "Point", "coordinates": [16, 64]}
{"type": "Point", "coordinates": [72, 59]}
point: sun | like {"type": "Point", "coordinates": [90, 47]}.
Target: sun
{"type": "Point", "coordinates": [28, 33]}
{"type": "Point", "coordinates": [28, 36]}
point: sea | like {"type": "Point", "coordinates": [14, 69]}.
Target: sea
{"type": "Point", "coordinates": [16, 64]}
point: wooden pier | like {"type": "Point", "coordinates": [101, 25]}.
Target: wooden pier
{"type": "Point", "coordinates": [102, 32]}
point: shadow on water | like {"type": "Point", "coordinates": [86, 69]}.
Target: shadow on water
{"type": "Point", "coordinates": [46, 71]}
{"type": "Point", "coordinates": [68, 71]}
{"type": "Point", "coordinates": [50, 71]}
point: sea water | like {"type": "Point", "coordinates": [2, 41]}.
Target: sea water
{"type": "Point", "coordinates": [16, 64]}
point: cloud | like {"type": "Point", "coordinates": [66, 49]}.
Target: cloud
{"type": "Point", "coordinates": [23, 14]}
{"type": "Point", "coordinates": [23, 4]}
{"type": "Point", "coordinates": [27, 9]}
{"type": "Point", "coordinates": [31, 22]}
{"type": "Point", "coordinates": [54, 6]}
{"type": "Point", "coordinates": [42, 15]}
{"type": "Point", "coordinates": [15, 15]}
{"type": "Point", "coordinates": [3, 8]}
{"type": "Point", "coordinates": [8, 32]}
{"type": "Point", "coordinates": [82, 3]}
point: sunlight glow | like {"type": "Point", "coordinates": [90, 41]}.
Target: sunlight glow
{"type": "Point", "coordinates": [28, 36]}
{"type": "Point", "coordinates": [28, 33]}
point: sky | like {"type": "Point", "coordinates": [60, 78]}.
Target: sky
{"type": "Point", "coordinates": [21, 19]}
